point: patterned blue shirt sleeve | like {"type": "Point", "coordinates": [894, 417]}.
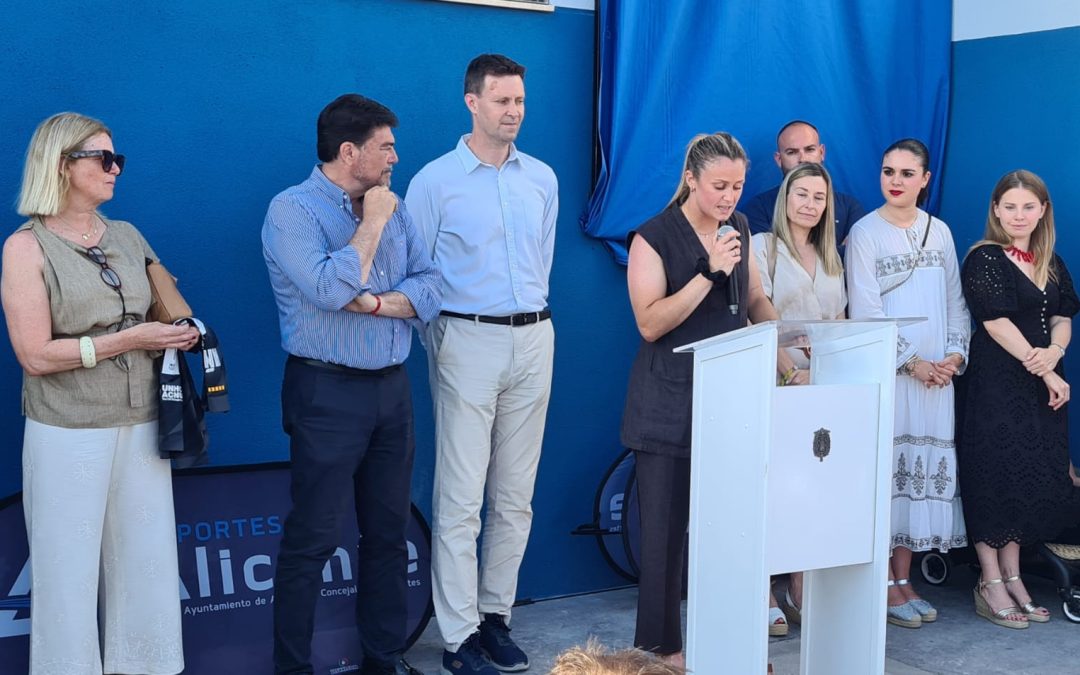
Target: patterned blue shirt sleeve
{"type": "Point", "coordinates": [292, 236]}
{"type": "Point", "coordinates": [422, 284]}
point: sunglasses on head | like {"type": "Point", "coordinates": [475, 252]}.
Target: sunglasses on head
{"type": "Point", "coordinates": [108, 158]}
{"type": "Point", "coordinates": [109, 276]}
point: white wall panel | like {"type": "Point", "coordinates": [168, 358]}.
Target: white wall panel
{"type": "Point", "coordinates": [973, 19]}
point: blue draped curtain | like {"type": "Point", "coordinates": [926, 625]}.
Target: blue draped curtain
{"type": "Point", "coordinates": [865, 73]}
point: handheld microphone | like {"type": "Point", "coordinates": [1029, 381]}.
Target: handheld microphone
{"type": "Point", "coordinates": [733, 278]}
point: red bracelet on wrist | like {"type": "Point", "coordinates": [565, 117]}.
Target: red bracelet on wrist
{"type": "Point", "coordinates": [378, 306]}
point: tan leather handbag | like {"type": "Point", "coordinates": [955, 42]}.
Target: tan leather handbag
{"type": "Point", "coordinates": [166, 304]}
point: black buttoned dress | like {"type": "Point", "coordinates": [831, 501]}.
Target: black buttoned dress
{"type": "Point", "coordinates": [1013, 449]}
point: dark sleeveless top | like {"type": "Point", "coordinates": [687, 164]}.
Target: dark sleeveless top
{"type": "Point", "coordinates": [658, 399]}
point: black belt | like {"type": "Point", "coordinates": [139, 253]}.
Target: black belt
{"type": "Point", "coordinates": [523, 319]}
{"type": "Point", "coordinates": [337, 367]}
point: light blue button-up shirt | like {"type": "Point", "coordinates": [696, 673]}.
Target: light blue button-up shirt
{"type": "Point", "coordinates": [490, 230]}
{"type": "Point", "coordinates": [315, 273]}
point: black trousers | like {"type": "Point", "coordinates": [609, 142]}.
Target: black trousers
{"type": "Point", "coordinates": [664, 502]}
{"type": "Point", "coordinates": [351, 440]}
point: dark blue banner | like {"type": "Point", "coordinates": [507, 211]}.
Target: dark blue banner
{"type": "Point", "coordinates": [616, 522]}
{"type": "Point", "coordinates": [228, 526]}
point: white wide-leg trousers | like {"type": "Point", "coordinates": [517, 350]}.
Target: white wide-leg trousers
{"type": "Point", "coordinates": [99, 515]}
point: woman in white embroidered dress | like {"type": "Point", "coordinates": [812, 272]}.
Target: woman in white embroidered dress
{"type": "Point", "coordinates": [901, 262]}
{"type": "Point", "coordinates": [802, 274]}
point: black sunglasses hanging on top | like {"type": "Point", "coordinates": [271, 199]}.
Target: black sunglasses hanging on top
{"type": "Point", "coordinates": [110, 277]}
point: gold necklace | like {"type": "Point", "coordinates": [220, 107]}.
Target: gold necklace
{"type": "Point", "coordinates": [708, 234]}
{"type": "Point", "coordinates": [85, 235]}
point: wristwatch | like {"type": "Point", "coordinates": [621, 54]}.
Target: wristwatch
{"type": "Point", "coordinates": [702, 268]}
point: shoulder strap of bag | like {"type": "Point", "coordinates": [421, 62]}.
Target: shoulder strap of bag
{"type": "Point", "coordinates": [772, 256]}
{"type": "Point", "coordinates": [915, 261]}
{"type": "Point", "coordinates": [771, 261]}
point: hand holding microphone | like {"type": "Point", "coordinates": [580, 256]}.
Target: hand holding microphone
{"type": "Point", "coordinates": [726, 250]}
{"type": "Point", "coordinates": [725, 255]}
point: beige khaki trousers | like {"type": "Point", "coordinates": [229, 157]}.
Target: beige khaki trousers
{"type": "Point", "coordinates": [490, 385]}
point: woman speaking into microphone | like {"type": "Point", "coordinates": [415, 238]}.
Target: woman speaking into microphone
{"type": "Point", "coordinates": [683, 263]}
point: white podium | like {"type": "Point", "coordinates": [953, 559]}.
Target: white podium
{"type": "Point", "coordinates": [789, 479]}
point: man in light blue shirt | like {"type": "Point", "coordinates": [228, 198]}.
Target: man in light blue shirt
{"type": "Point", "coordinates": [488, 213]}
{"type": "Point", "coordinates": [350, 274]}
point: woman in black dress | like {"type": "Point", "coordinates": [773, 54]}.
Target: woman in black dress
{"type": "Point", "coordinates": [677, 275]}
{"type": "Point", "coordinates": [1015, 476]}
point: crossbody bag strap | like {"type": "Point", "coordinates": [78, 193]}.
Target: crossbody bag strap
{"type": "Point", "coordinates": [771, 259]}
{"type": "Point", "coordinates": [915, 260]}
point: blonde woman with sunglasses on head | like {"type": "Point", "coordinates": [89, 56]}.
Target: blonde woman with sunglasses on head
{"type": "Point", "coordinates": [97, 497]}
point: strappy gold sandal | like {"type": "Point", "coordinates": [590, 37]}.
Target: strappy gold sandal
{"type": "Point", "coordinates": [998, 618]}
{"type": "Point", "coordinates": [1029, 608]}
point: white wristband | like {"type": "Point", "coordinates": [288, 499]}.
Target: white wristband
{"type": "Point", "coordinates": [87, 352]}
{"type": "Point", "coordinates": [1060, 348]}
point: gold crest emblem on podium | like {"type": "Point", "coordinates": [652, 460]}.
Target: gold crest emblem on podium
{"type": "Point", "coordinates": [822, 444]}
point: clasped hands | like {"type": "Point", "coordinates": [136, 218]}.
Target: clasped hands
{"type": "Point", "coordinates": [937, 373]}
{"type": "Point", "coordinates": [1042, 360]}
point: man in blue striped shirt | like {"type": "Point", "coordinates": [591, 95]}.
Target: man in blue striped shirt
{"type": "Point", "coordinates": [351, 275]}
{"type": "Point", "coordinates": [488, 213]}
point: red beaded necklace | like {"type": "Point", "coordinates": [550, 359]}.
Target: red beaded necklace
{"type": "Point", "coordinates": [1020, 254]}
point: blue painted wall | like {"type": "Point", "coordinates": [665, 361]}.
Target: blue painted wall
{"type": "Point", "coordinates": [215, 106]}
{"type": "Point", "coordinates": [1014, 105]}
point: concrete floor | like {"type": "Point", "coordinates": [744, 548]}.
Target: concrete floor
{"type": "Point", "coordinates": [958, 643]}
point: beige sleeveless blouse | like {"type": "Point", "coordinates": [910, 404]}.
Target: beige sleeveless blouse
{"type": "Point", "coordinates": [119, 391]}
